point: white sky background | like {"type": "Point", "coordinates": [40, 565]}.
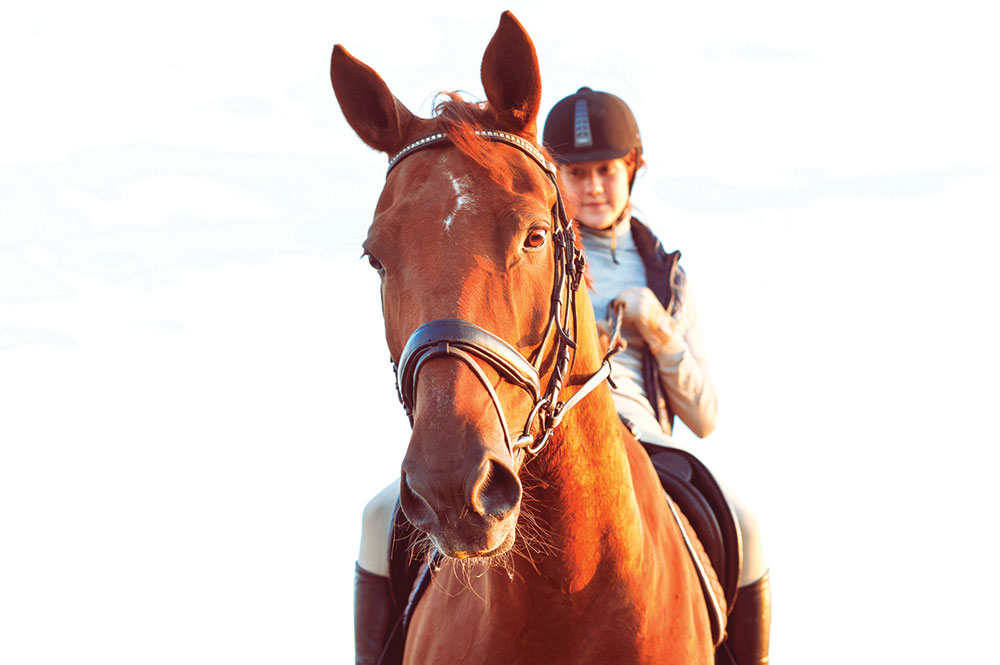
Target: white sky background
{"type": "Point", "coordinates": [195, 396]}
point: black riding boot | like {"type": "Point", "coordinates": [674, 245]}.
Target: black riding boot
{"type": "Point", "coordinates": [749, 625]}
{"type": "Point", "coordinates": [374, 615]}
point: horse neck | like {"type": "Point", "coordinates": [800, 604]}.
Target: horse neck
{"type": "Point", "coordinates": [580, 488]}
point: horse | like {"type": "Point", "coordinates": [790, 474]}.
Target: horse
{"type": "Point", "coordinates": [558, 543]}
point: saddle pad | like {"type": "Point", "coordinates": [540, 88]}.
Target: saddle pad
{"type": "Point", "coordinates": [715, 598]}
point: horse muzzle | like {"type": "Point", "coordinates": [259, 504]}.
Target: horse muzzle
{"type": "Point", "coordinates": [467, 510]}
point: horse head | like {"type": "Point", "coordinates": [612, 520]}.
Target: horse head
{"type": "Point", "coordinates": [468, 245]}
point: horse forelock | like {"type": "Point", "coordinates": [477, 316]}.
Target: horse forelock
{"type": "Point", "coordinates": [460, 119]}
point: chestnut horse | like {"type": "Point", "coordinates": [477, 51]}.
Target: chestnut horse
{"type": "Point", "coordinates": [559, 545]}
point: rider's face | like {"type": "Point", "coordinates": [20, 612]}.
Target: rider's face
{"type": "Point", "coordinates": [595, 193]}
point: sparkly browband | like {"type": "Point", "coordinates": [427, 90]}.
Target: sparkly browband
{"type": "Point", "coordinates": [494, 135]}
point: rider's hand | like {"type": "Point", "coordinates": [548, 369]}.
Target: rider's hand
{"type": "Point", "coordinates": [644, 311]}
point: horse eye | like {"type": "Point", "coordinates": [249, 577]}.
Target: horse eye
{"type": "Point", "coordinates": [536, 238]}
{"type": "Point", "coordinates": [374, 263]}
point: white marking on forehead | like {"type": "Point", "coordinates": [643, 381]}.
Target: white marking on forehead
{"type": "Point", "coordinates": [462, 199]}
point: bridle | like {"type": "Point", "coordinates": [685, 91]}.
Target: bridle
{"type": "Point", "coordinates": [466, 341]}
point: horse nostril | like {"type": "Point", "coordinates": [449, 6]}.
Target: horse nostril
{"type": "Point", "coordinates": [415, 507]}
{"type": "Point", "coordinates": [497, 491]}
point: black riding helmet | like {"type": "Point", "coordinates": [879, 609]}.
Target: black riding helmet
{"type": "Point", "coordinates": [590, 126]}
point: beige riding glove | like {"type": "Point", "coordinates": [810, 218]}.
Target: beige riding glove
{"type": "Point", "coordinates": [644, 310]}
{"type": "Point", "coordinates": [680, 359]}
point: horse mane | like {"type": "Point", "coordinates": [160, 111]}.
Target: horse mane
{"type": "Point", "coordinates": [460, 119]}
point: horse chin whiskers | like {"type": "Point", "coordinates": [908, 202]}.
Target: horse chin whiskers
{"type": "Point", "coordinates": [534, 535]}
{"type": "Point", "coordinates": [467, 570]}
{"type": "Point", "coordinates": [419, 545]}
{"type": "Point", "coordinates": [530, 537]}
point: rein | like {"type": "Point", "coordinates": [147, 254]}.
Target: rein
{"type": "Point", "coordinates": [466, 341]}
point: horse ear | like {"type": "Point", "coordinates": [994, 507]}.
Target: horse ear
{"type": "Point", "coordinates": [381, 120]}
{"type": "Point", "coordinates": [510, 76]}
